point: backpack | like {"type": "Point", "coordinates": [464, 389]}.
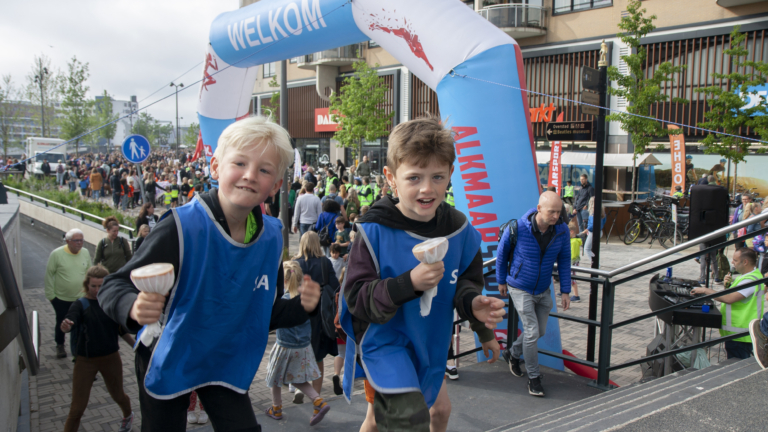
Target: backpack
{"type": "Point", "coordinates": [512, 225]}
{"type": "Point", "coordinates": [327, 305]}
{"type": "Point", "coordinates": [325, 234]}
{"type": "Point", "coordinates": [122, 246]}
{"type": "Point", "coordinates": [74, 338]}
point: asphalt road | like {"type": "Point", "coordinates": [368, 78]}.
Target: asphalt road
{"type": "Point", "coordinates": [37, 245]}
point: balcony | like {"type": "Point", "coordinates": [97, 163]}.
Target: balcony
{"type": "Point", "coordinates": [734, 3]}
{"type": "Point", "coordinates": [517, 20]}
{"type": "Point", "coordinates": [342, 56]}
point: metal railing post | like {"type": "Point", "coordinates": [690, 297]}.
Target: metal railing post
{"type": "Point", "coordinates": [606, 320]}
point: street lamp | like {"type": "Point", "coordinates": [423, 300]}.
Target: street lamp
{"type": "Point", "coordinates": [39, 81]}
{"type": "Point", "coordinates": [177, 114]}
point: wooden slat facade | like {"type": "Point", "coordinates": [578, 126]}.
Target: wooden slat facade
{"type": "Point", "coordinates": [302, 102]}
{"type": "Point", "coordinates": [423, 99]}
{"type": "Point", "coordinates": [703, 56]}
{"type": "Point", "coordinates": [557, 75]}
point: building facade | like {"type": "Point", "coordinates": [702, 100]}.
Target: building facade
{"type": "Point", "coordinates": [558, 39]}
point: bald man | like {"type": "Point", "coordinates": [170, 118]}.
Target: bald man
{"type": "Point", "coordinates": [542, 240]}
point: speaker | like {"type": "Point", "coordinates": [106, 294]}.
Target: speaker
{"type": "Point", "coordinates": [709, 211]}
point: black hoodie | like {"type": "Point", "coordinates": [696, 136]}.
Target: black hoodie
{"type": "Point", "coordinates": [373, 300]}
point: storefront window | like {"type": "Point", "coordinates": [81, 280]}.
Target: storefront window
{"type": "Point", "coordinates": [377, 154]}
{"type": "Point", "coordinates": [314, 151]}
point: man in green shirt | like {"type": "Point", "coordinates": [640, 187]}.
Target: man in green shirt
{"type": "Point", "coordinates": [64, 276]}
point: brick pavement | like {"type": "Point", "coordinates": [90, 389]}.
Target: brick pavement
{"type": "Point", "coordinates": [50, 390]}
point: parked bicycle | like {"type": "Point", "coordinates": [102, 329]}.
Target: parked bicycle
{"type": "Point", "coordinates": [650, 222]}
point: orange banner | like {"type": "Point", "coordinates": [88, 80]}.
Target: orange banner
{"type": "Point", "coordinates": [555, 172]}
{"type": "Point", "coordinates": [677, 151]}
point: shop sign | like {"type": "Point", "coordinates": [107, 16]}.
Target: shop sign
{"type": "Point", "coordinates": [677, 150]}
{"type": "Point", "coordinates": [324, 122]}
{"type": "Point", "coordinates": [542, 113]}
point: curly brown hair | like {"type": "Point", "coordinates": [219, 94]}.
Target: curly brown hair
{"type": "Point", "coordinates": [109, 222]}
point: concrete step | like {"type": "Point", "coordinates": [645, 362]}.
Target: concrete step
{"type": "Point", "coordinates": [622, 394]}
{"type": "Point", "coordinates": [694, 389]}
{"type": "Point", "coordinates": [644, 399]}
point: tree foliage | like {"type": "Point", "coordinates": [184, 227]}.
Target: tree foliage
{"type": "Point", "coordinates": [359, 108]}
{"type": "Point", "coordinates": [102, 115]}
{"type": "Point", "coordinates": [727, 111]}
{"type": "Point", "coordinates": [190, 137]}
{"type": "Point", "coordinates": [641, 93]}
{"type": "Point", "coordinates": [10, 108]}
{"type": "Point", "coordinates": [158, 134]}
{"type": "Point", "coordinates": [76, 107]}
{"type": "Point", "coordinates": [51, 83]}
{"type": "Point", "coordinates": [274, 101]}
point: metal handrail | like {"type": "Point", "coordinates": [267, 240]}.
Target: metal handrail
{"type": "Point", "coordinates": [83, 214]}
{"type": "Point", "coordinates": [665, 253]}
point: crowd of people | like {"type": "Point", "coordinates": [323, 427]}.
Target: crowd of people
{"type": "Point", "coordinates": [353, 293]}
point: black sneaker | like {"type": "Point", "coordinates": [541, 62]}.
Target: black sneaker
{"type": "Point", "coordinates": [60, 353]}
{"type": "Point", "coordinates": [514, 367]}
{"type": "Point", "coordinates": [535, 388]}
{"type": "Point", "coordinates": [452, 373]}
{"type": "Point", "coordinates": [337, 390]}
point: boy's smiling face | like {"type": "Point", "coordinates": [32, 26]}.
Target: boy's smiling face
{"type": "Point", "coordinates": [421, 190]}
{"type": "Point", "coordinates": [247, 177]}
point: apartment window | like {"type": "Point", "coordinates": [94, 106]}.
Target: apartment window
{"type": "Point", "coordinates": [562, 6]}
{"type": "Point", "coordinates": [372, 44]}
{"type": "Point", "coordinates": [269, 69]}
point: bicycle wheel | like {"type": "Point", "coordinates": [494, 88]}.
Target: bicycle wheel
{"type": "Point", "coordinates": [667, 234]}
{"type": "Point", "coordinates": [635, 231]}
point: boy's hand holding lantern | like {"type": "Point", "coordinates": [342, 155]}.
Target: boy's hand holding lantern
{"type": "Point", "coordinates": [430, 252]}
{"type": "Point", "coordinates": [154, 281]}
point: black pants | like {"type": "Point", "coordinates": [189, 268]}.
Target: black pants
{"type": "Point", "coordinates": [61, 307]}
{"type": "Point", "coordinates": [227, 409]}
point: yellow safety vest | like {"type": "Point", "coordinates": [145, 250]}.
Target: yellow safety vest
{"type": "Point", "coordinates": [737, 316]}
{"type": "Point", "coordinates": [449, 197]}
{"type": "Point", "coordinates": [329, 181]}
{"type": "Point", "coordinates": [174, 193]}
{"type": "Point", "coordinates": [677, 194]}
{"type": "Point", "coordinates": [349, 186]}
{"type": "Point", "coordinates": [568, 192]}
{"type": "Point", "coordinates": [366, 195]}
{"type": "Point", "coordinates": [167, 198]}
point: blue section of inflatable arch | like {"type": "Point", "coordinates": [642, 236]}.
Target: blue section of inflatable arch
{"type": "Point", "coordinates": [211, 129]}
{"type": "Point", "coordinates": [494, 156]}
{"type": "Point", "coordinates": [316, 26]}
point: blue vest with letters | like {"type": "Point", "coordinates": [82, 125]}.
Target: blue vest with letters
{"type": "Point", "coordinates": [409, 352]}
{"type": "Point", "coordinates": [216, 322]}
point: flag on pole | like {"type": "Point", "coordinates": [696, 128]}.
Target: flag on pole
{"type": "Point", "coordinates": [296, 165]}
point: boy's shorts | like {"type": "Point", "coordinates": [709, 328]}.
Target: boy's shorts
{"type": "Point", "coordinates": [369, 392]}
{"type": "Point", "coordinates": [574, 264]}
{"type": "Point", "coordinates": [174, 200]}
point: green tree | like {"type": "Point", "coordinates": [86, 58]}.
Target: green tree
{"type": "Point", "coordinates": [77, 109]}
{"type": "Point", "coordinates": [10, 108]}
{"type": "Point", "coordinates": [145, 126]}
{"type": "Point", "coordinates": [102, 115]}
{"type": "Point", "coordinates": [359, 108]}
{"type": "Point", "coordinates": [728, 110]}
{"type": "Point", "coordinates": [641, 93]}
{"type": "Point", "coordinates": [190, 137]}
{"type": "Point", "coordinates": [43, 75]}
{"type": "Point", "coordinates": [274, 101]}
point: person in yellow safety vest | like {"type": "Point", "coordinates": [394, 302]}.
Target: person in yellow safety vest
{"type": "Point", "coordinates": [366, 193]}
{"type": "Point", "coordinates": [330, 179]}
{"type": "Point", "coordinates": [449, 197]}
{"type": "Point", "coordinates": [569, 193]}
{"type": "Point", "coordinates": [678, 192]}
{"type": "Point", "coordinates": [347, 183]}
{"type": "Point", "coordinates": [174, 188]}
{"type": "Point", "coordinates": [377, 187]}
{"type": "Point", "coordinates": [740, 307]}
{"type": "Point", "coordinates": [167, 200]}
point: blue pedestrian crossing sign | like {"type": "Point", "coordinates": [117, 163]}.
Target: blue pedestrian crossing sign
{"type": "Point", "coordinates": [136, 148]}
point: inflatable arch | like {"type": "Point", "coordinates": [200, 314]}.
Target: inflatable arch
{"type": "Point", "coordinates": [496, 176]}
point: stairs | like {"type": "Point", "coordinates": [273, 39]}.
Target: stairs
{"type": "Point", "coordinates": [613, 409]}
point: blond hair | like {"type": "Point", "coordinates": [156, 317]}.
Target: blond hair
{"type": "Point", "coordinates": [309, 246]}
{"type": "Point", "coordinates": [292, 277]}
{"type": "Point", "coordinates": [420, 141]}
{"type": "Point", "coordinates": [253, 130]}
{"type": "Point", "coordinates": [592, 208]}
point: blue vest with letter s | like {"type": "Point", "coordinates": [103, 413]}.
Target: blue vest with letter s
{"type": "Point", "coordinates": [216, 322]}
{"type": "Point", "coordinates": [408, 353]}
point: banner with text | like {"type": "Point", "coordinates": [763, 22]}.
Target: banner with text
{"type": "Point", "coordinates": [677, 151]}
{"type": "Point", "coordinates": [555, 179]}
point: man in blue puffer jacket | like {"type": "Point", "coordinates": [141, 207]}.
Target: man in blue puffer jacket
{"type": "Point", "coordinates": [542, 239]}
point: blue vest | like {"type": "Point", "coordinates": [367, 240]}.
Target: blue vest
{"type": "Point", "coordinates": [216, 322]}
{"type": "Point", "coordinates": [409, 352]}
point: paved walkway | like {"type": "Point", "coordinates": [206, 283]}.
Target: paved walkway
{"type": "Point", "coordinates": [50, 390]}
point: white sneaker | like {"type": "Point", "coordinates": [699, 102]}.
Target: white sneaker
{"type": "Point", "coordinates": [191, 417]}
{"type": "Point", "coordinates": [126, 425]}
{"type": "Point", "coordinates": [291, 388]}
{"type": "Point", "coordinates": [202, 418]}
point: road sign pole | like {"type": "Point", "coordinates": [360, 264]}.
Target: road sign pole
{"type": "Point", "coordinates": [287, 181]}
{"type": "Point", "coordinates": [598, 185]}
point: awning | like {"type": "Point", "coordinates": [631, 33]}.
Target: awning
{"type": "Point", "coordinates": [611, 159]}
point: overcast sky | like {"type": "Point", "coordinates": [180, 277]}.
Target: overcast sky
{"type": "Point", "coordinates": [133, 47]}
